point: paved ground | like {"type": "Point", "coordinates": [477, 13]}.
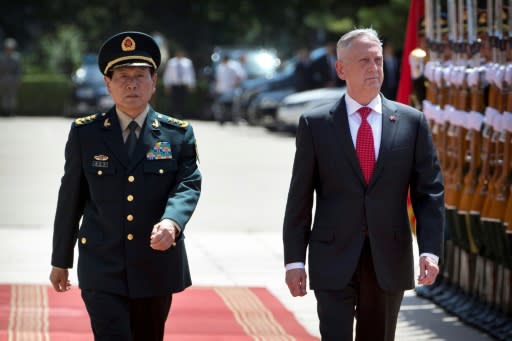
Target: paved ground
{"type": "Point", "coordinates": [233, 239]}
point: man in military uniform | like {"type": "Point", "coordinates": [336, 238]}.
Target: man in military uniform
{"type": "Point", "coordinates": [132, 180]}
{"type": "Point", "coordinates": [417, 61]}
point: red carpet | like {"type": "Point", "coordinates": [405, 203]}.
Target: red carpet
{"type": "Point", "coordinates": [36, 312]}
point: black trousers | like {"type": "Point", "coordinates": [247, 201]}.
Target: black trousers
{"type": "Point", "coordinates": [375, 310]}
{"type": "Point", "coordinates": [115, 317]}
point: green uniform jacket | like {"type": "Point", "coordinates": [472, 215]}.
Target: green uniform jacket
{"type": "Point", "coordinates": [110, 204]}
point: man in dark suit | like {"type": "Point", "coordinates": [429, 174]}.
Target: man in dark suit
{"type": "Point", "coordinates": [130, 185]}
{"type": "Point", "coordinates": [323, 71]}
{"type": "Point", "coordinates": [360, 158]}
{"type": "Point", "coordinates": [391, 69]}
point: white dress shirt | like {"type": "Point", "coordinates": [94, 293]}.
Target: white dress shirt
{"type": "Point", "coordinates": [179, 71]}
{"type": "Point", "coordinates": [226, 78]}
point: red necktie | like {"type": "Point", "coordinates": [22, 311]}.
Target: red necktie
{"type": "Point", "coordinates": [364, 144]}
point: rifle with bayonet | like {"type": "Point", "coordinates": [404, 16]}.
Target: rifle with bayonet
{"type": "Point", "coordinates": [456, 133]}
{"type": "Point", "coordinates": [431, 89]}
{"type": "Point", "coordinates": [476, 117]}
{"type": "Point", "coordinates": [438, 91]}
{"type": "Point", "coordinates": [484, 270]}
{"type": "Point", "coordinates": [487, 147]}
{"type": "Point", "coordinates": [491, 211]}
{"type": "Point", "coordinates": [507, 160]}
{"type": "Point", "coordinates": [502, 179]}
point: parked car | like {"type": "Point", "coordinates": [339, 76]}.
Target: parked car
{"type": "Point", "coordinates": [89, 93]}
{"type": "Point", "coordinates": [293, 106]}
{"type": "Point", "coordinates": [283, 80]}
{"type": "Point", "coordinates": [262, 109]}
{"type": "Point", "coordinates": [249, 90]}
{"type": "Point", "coordinates": [259, 63]}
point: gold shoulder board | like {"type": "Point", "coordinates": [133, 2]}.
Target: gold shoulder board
{"type": "Point", "coordinates": [173, 121]}
{"type": "Point", "coordinates": [85, 120]}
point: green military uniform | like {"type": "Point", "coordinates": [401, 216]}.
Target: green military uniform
{"type": "Point", "coordinates": [127, 200]}
{"type": "Point", "coordinates": [120, 201]}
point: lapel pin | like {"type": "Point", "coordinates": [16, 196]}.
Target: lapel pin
{"type": "Point", "coordinates": [106, 124]}
{"type": "Point", "coordinates": [392, 118]}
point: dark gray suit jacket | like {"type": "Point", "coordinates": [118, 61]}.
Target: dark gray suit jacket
{"type": "Point", "coordinates": [326, 165]}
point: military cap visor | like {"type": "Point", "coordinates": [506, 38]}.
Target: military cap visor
{"type": "Point", "coordinates": [128, 49]}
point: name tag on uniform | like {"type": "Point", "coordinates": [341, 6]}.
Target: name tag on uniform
{"type": "Point", "coordinates": [160, 151]}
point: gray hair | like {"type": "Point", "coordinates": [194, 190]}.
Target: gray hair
{"type": "Point", "coordinates": [348, 37]}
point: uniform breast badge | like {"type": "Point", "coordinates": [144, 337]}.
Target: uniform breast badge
{"type": "Point", "coordinates": [100, 161]}
{"type": "Point", "coordinates": [160, 151]}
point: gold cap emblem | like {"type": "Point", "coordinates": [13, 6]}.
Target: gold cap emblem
{"type": "Point", "coordinates": [128, 44]}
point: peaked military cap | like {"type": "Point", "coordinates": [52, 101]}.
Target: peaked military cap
{"type": "Point", "coordinates": [128, 49]}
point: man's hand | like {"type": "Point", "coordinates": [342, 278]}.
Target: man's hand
{"type": "Point", "coordinates": [59, 279]}
{"type": "Point", "coordinates": [296, 281]}
{"type": "Point", "coordinates": [428, 271]}
{"type": "Point", "coordinates": [164, 235]}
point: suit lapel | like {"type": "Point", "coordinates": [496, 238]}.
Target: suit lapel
{"type": "Point", "coordinates": [113, 137]}
{"type": "Point", "coordinates": [390, 122]}
{"type": "Point", "coordinates": [344, 138]}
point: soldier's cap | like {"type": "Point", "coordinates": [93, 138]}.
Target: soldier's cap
{"type": "Point", "coordinates": [128, 48]}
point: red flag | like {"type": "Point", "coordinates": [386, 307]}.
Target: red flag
{"type": "Point", "coordinates": [416, 11]}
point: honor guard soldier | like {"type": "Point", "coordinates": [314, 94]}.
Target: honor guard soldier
{"type": "Point", "coordinates": [130, 185]}
{"type": "Point", "coordinates": [417, 60]}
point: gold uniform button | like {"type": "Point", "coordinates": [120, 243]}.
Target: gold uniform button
{"type": "Point", "coordinates": [131, 178]}
{"type": "Point", "coordinates": [129, 236]}
{"type": "Point", "coordinates": [129, 197]}
{"type": "Point", "coordinates": [83, 240]}
{"type": "Point", "coordinates": [161, 171]}
{"type": "Point", "coordinates": [100, 172]}
{"type": "Point", "coordinates": [129, 217]}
